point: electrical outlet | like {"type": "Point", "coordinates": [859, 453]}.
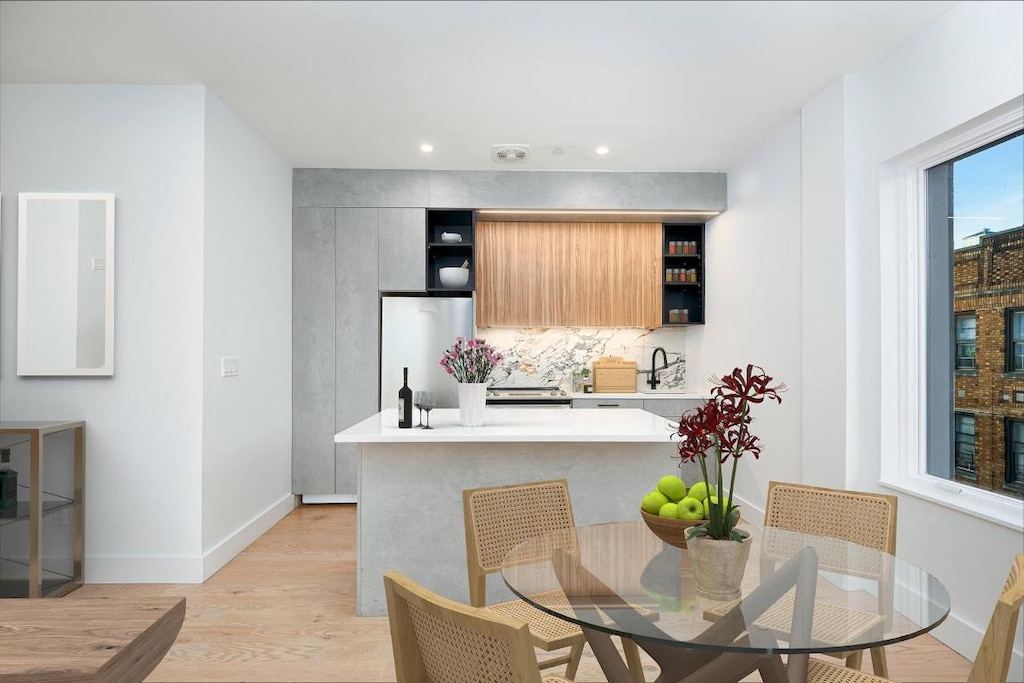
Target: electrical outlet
{"type": "Point", "coordinates": [229, 366]}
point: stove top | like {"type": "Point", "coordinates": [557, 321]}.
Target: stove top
{"type": "Point", "coordinates": [526, 392]}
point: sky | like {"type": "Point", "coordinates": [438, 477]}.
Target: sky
{"type": "Point", "coordinates": [988, 190]}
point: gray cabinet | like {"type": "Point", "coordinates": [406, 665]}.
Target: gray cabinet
{"type": "Point", "coordinates": [313, 350]}
{"type": "Point", "coordinates": [402, 251]}
{"type": "Point", "coordinates": [334, 342]}
{"type": "Point", "coordinates": [637, 403]}
{"type": "Point", "coordinates": [671, 408]}
{"type": "Point", "coordinates": [356, 334]}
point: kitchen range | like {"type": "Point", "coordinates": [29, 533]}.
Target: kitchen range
{"type": "Point", "coordinates": [528, 397]}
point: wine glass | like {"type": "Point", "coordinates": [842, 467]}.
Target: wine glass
{"type": "Point", "coordinates": [417, 396]}
{"type": "Point", "coordinates": [427, 404]}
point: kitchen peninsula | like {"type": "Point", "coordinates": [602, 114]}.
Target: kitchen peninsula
{"type": "Point", "coordinates": [411, 483]}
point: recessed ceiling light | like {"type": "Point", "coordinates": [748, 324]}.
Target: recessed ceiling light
{"type": "Point", "coordinates": [603, 149]}
{"type": "Point", "coordinates": [426, 147]}
{"type": "Point", "coordinates": [558, 150]}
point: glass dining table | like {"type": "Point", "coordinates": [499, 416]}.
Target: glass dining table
{"type": "Point", "coordinates": [801, 594]}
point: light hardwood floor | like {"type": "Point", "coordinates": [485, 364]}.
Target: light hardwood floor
{"type": "Point", "coordinates": [284, 610]}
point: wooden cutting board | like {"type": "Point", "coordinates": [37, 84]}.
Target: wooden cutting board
{"type": "Point", "coordinates": [613, 375]}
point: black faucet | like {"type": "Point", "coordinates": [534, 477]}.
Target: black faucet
{"type": "Point", "coordinates": [653, 381]}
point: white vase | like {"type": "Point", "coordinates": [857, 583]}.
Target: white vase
{"type": "Point", "coordinates": [472, 399]}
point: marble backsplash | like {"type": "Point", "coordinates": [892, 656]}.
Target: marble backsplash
{"type": "Point", "coordinates": [541, 356]}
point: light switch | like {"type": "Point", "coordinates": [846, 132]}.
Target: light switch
{"type": "Point", "coordinates": [229, 366]}
{"type": "Point", "coordinates": [98, 263]}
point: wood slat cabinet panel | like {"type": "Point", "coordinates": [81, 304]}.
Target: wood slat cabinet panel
{"type": "Point", "coordinates": [616, 275]}
{"type": "Point", "coordinates": [565, 274]}
{"type": "Point", "coordinates": [522, 273]}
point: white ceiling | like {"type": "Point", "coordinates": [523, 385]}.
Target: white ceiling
{"type": "Point", "coordinates": [681, 86]}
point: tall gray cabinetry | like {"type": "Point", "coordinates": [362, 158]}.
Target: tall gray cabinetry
{"type": "Point", "coordinates": [342, 259]}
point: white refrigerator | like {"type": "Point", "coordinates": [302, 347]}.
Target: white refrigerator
{"type": "Point", "coordinates": [414, 332]}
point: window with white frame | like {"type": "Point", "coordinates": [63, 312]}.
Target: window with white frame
{"type": "Point", "coordinates": [1015, 454]}
{"type": "Point", "coordinates": [963, 445]}
{"type": "Point", "coordinates": [966, 336]}
{"type": "Point", "coordinates": [975, 237]}
{"type": "Point", "coordinates": [954, 210]}
{"type": "Point", "coordinates": [1015, 340]}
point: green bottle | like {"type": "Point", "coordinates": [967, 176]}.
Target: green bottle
{"type": "Point", "coordinates": [8, 485]}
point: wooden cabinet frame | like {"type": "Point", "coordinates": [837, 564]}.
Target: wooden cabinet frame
{"type": "Point", "coordinates": [35, 432]}
{"type": "Point", "coordinates": [568, 274]}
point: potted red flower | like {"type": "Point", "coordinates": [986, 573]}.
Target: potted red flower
{"type": "Point", "coordinates": [721, 428]}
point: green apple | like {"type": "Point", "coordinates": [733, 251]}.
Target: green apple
{"type": "Point", "coordinates": [653, 502]}
{"type": "Point", "coordinates": [690, 508]}
{"type": "Point", "coordinates": [673, 487]}
{"type": "Point", "coordinates": [669, 510]}
{"type": "Point", "coordinates": [714, 499]}
{"type": "Point", "coordinates": [700, 491]}
{"type": "Point", "coordinates": [707, 505]}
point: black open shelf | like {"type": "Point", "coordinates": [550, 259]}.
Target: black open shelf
{"type": "Point", "coordinates": [449, 254]}
{"type": "Point", "coordinates": [683, 296]}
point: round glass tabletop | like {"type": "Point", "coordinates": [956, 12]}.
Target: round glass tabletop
{"type": "Point", "coordinates": [800, 593]}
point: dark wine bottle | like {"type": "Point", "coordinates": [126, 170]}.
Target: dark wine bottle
{"type": "Point", "coordinates": [405, 402]}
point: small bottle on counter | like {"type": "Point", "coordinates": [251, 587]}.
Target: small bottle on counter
{"type": "Point", "coordinates": [405, 402]}
{"type": "Point", "coordinates": [684, 315]}
{"type": "Point", "coordinates": [8, 485]}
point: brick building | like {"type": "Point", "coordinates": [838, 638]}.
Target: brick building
{"type": "Point", "coordinates": [988, 303]}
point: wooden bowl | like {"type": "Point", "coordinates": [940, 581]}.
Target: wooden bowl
{"type": "Point", "coordinates": [672, 531]}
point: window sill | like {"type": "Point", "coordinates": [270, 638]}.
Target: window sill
{"type": "Point", "coordinates": [986, 505]}
{"type": "Point", "coordinates": [965, 372]}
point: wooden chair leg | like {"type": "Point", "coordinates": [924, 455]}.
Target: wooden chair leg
{"type": "Point", "coordinates": [879, 663]}
{"type": "Point", "coordinates": [854, 659]}
{"type": "Point", "coordinates": [575, 654]}
{"type": "Point", "coordinates": [632, 653]}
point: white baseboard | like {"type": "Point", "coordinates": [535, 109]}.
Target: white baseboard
{"type": "Point", "coordinates": [177, 569]}
{"type": "Point", "coordinates": [324, 498]}
{"type": "Point", "coordinates": [185, 568]}
{"type": "Point", "coordinates": [226, 550]}
{"type": "Point", "coordinates": [965, 639]}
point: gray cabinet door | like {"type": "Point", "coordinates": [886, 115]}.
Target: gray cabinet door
{"type": "Point", "coordinates": [637, 403]}
{"type": "Point", "coordinates": [313, 351]}
{"type": "Point", "coordinates": [357, 325]}
{"type": "Point", "coordinates": [671, 408]}
{"type": "Point", "coordinates": [402, 251]}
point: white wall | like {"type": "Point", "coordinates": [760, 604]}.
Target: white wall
{"type": "Point", "coordinates": [753, 304]}
{"type": "Point", "coordinates": [823, 288]}
{"type": "Point", "coordinates": [143, 425]}
{"type": "Point", "coordinates": [965, 64]}
{"type": "Point", "coordinates": [246, 314]}
{"type": "Point", "coordinates": [184, 468]}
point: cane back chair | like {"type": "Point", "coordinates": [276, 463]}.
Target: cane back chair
{"type": "Point", "coordinates": [499, 518]}
{"type": "Point", "coordinates": [867, 519]}
{"type": "Point", "coordinates": [437, 640]}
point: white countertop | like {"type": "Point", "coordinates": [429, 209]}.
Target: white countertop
{"type": "Point", "coordinates": [627, 425]}
{"type": "Point", "coordinates": [645, 394]}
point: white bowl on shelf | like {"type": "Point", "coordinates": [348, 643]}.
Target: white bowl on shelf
{"type": "Point", "coordinates": [451, 237]}
{"type": "Point", "coordinates": [453, 276]}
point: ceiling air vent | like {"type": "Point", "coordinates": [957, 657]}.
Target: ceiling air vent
{"type": "Point", "coordinates": [509, 153]}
